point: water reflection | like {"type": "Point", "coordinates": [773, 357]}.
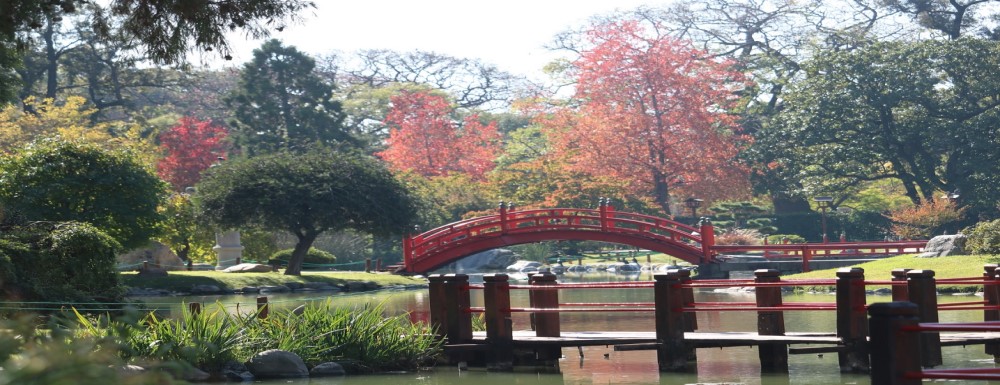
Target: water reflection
{"type": "Point", "coordinates": [603, 365]}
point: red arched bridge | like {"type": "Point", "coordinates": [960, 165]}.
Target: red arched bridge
{"type": "Point", "coordinates": [435, 248]}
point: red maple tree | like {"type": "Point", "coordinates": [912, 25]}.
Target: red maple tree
{"type": "Point", "coordinates": [191, 147]}
{"type": "Point", "coordinates": [651, 112]}
{"type": "Point", "coordinates": [424, 139]}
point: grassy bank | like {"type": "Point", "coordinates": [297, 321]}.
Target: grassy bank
{"type": "Point", "coordinates": [944, 267]}
{"type": "Point", "coordinates": [184, 280]}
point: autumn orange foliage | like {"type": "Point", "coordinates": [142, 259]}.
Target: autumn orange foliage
{"type": "Point", "coordinates": [918, 222]}
{"type": "Point", "coordinates": [423, 139]}
{"type": "Point", "coordinates": [651, 113]}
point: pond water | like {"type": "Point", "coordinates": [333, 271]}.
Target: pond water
{"type": "Point", "coordinates": [603, 365]}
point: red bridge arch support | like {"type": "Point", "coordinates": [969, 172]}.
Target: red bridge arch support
{"type": "Point", "coordinates": [435, 248]}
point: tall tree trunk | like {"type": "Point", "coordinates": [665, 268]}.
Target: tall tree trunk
{"type": "Point", "coordinates": [306, 240]}
{"type": "Point", "coordinates": [661, 191]}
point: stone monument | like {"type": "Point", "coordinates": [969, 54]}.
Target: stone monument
{"type": "Point", "coordinates": [228, 250]}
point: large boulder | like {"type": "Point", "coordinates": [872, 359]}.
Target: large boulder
{"type": "Point", "coordinates": [277, 364]}
{"type": "Point", "coordinates": [157, 254]}
{"type": "Point", "coordinates": [490, 260]}
{"type": "Point", "coordinates": [943, 245]}
{"type": "Point", "coordinates": [248, 268]}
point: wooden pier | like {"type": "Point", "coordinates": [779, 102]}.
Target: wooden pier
{"type": "Point", "coordinates": [675, 338]}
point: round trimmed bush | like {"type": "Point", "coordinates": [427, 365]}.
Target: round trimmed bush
{"type": "Point", "coordinates": [315, 258]}
{"type": "Point", "coordinates": [778, 239]}
{"type": "Point", "coordinates": [984, 238]}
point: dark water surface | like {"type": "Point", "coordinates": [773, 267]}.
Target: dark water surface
{"type": "Point", "coordinates": [603, 365]}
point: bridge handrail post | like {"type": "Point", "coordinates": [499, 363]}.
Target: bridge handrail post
{"type": "Point", "coordinates": [806, 257]}
{"type": "Point", "coordinates": [900, 292]}
{"type": "Point", "coordinates": [852, 322]}
{"type": "Point", "coordinates": [892, 350]}
{"type": "Point", "coordinates": [673, 354]}
{"type": "Point", "coordinates": [707, 239]}
{"type": "Point", "coordinates": [458, 319]}
{"type": "Point", "coordinates": [499, 328]}
{"type": "Point", "coordinates": [922, 288]}
{"type": "Point", "coordinates": [437, 299]}
{"type": "Point", "coordinates": [408, 253]}
{"type": "Point", "coordinates": [991, 295]}
{"type": "Point", "coordinates": [545, 324]}
{"type": "Point", "coordinates": [773, 357]}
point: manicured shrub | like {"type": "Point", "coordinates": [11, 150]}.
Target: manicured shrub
{"type": "Point", "coordinates": [778, 239]}
{"type": "Point", "coordinates": [984, 238]}
{"type": "Point", "coordinates": [315, 258]}
{"type": "Point", "coordinates": [66, 261]}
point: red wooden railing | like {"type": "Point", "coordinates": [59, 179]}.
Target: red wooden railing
{"type": "Point", "coordinates": [433, 248]}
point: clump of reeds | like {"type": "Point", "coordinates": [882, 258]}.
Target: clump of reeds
{"type": "Point", "coordinates": [362, 339]}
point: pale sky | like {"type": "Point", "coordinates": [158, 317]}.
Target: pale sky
{"type": "Point", "coordinates": [510, 34]}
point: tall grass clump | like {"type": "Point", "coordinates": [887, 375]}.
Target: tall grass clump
{"type": "Point", "coordinates": [361, 339]}
{"type": "Point", "coordinates": [206, 341]}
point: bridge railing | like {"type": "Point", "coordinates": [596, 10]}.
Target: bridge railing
{"type": "Point", "coordinates": [809, 251]}
{"type": "Point", "coordinates": [674, 309]}
{"type": "Point", "coordinates": [508, 222]}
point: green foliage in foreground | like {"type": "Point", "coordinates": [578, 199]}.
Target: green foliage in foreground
{"type": "Point", "coordinates": [944, 267]}
{"type": "Point", "coordinates": [31, 358]}
{"type": "Point", "coordinates": [361, 339]}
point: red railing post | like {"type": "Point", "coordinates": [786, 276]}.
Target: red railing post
{"type": "Point", "coordinates": [458, 319]}
{"type": "Point", "coordinates": [408, 253]}
{"type": "Point", "coordinates": [545, 324]}
{"type": "Point", "coordinates": [893, 351]}
{"type": "Point", "coordinates": [499, 328]}
{"type": "Point", "coordinates": [992, 298]}
{"type": "Point", "coordinates": [707, 240]}
{"type": "Point", "coordinates": [900, 292]}
{"type": "Point", "coordinates": [806, 256]}
{"type": "Point", "coordinates": [438, 304]}
{"type": "Point", "coordinates": [773, 357]}
{"type": "Point", "coordinates": [262, 308]}
{"type": "Point", "coordinates": [852, 322]}
{"type": "Point", "coordinates": [673, 354]}
{"type": "Point", "coordinates": [922, 288]}
{"type": "Point", "coordinates": [194, 308]}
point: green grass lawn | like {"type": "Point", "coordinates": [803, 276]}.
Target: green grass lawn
{"type": "Point", "coordinates": [944, 267]}
{"type": "Point", "coordinates": [183, 280]}
{"type": "Point", "coordinates": [655, 258]}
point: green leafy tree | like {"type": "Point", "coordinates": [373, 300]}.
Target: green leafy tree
{"type": "Point", "coordinates": [54, 180]}
{"type": "Point", "coordinates": [306, 194]}
{"type": "Point", "coordinates": [282, 104]}
{"type": "Point", "coordinates": [165, 30]}
{"type": "Point", "coordinates": [921, 113]}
